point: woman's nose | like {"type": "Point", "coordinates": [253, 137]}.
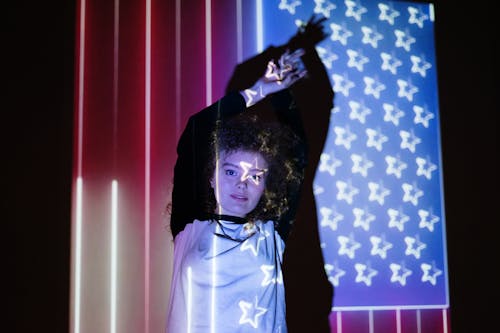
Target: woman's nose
{"type": "Point", "coordinates": [242, 183]}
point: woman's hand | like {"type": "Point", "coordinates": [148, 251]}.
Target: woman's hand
{"type": "Point", "coordinates": [278, 76]}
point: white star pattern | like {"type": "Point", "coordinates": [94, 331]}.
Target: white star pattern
{"type": "Point", "coordinates": [269, 275]}
{"type": "Point", "coordinates": [377, 192]}
{"type": "Point", "coordinates": [409, 140]}
{"type": "Point", "coordinates": [392, 113]}
{"type": "Point", "coordinates": [375, 139]}
{"type": "Point", "coordinates": [334, 273]}
{"type": "Point", "coordinates": [380, 246]}
{"type": "Point", "coordinates": [419, 65]}
{"type": "Point", "coordinates": [417, 17]}
{"type": "Point", "coordinates": [396, 276]}
{"type": "Point", "coordinates": [346, 191]}
{"type": "Point", "coordinates": [344, 137]}
{"type": "Point", "coordinates": [328, 163]}
{"type": "Point", "coordinates": [373, 86]}
{"type": "Point", "coordinates": [429, 276]}
{"type": "Point", "coordinates": [395, 166]}
{"type": "Point", "coordinates": [406, 89]}
{"type": "Point", "coordinates": [371, 36]}
{"type": "Point", "coordinates": [422, 116]}
{"type": "Point", "coordinates": [362, 218]}
{"type": "Point", "coordinates": [248, 243]}
{"type": "Point", "coordinates": [326, 221]}
{"type": "Point", "coordinates": [324, 7]}
{"type": "Point", "coordinates": [356, 59]}
{"type": "Point", "coordinates": [342, 84]}
{"type": "Point", "coordinates": [397, 219]}
{"type": "Point", "coordinates": [251, 313]}
{"type": "Point", "coordinates": [414, 246]}
{"type": "Point", "coordinates": [365, 274]}
{"type": "Point", "coordinates": [390, 63]}
{"type": "Point", "coordinates": [354, 9]}
{"type": "Point", "coordinates": [348, 246]}
{"type": "Point", "coordinates": [360, 164]}
{"type": "Point", "coordinates": [425, 167]}
{"type": "Point", "coordinates": [427, 219]}
{"type": "Point", "coordinates": [340, 33]}
{"type": "Point", "coordinates": [404, 39]}
{"type": "Point", "coordinates": [387, 13]}
{"type": "Point", "coordinates": [327, 56]}
{"type": "Point", "coordinates": [411, 193]}
{"type": "Point", "coordinates": [358, 111]}
{"type": "Point", "coordinates": [289, 6]}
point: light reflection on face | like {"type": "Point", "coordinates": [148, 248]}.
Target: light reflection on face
{"type": "Point", "coordinates": [238, 182]}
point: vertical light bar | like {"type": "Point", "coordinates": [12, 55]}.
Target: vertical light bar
{"type": "Point", "coordinates": [208, 51]}
{"type": "Point", "coordinates": [177, 67]}
{"type": "Point", "coordinates": [214, 280]}
{"type": "Point", "coordinates": [398, 320]}
{"type": "Point", "coordinates": [114, 254]}
{"type": "Point", "coordinates": [239, 32]}
{"type": "Point", "coordinates": [190, 299]}
{"type": "Point", "coordinates": [419, 324]}
{"type": "Point", "coordinates": [78, 256]}
{"type": "Point", "coordinates": [370, 321]}
{"type": "Point", "coordinates": [260, 26]}
{"type": "Point", "coordinates": [116, 41]}
{"type": "Point", "coordinates": [147, 174]}
{"type": "Point", "coordinates": [339, 322]}
{"type": "Point", "coordinates": [445, 321]}
{"type": "Point", "coordinates": [81, 73]}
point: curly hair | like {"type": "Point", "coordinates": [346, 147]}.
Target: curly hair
{"type": "Point", "coordinates": [277, 144]}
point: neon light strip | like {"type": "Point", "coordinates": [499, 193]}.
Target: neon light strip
{"type": "Point", "coordinates": [214, 280]}
{"type": "Point", "coordinates": [190, 298]}
{"type": "Point", "coordinates": [239, 32]}
{"type": "Point", "coordinates": [114, 254]}
{"type": "Point", "coordinates": [419, 323]}
{"type": "Point", "coordinates": [81, 73]}
{"type": "Point", "coordinates": [339, 322]}
{"type": "Point", "coordinates": [78, 255]}
{"type": "Point", "coordinates": [398, 321]}
{"type": "Point", "coordinates": [370, 321]}
{"type": "Point", "coordinates": [260, 26]}
{"type": "Point", "coordinates": [147, 172]}
{"type": "Point", "coordinates": [116, 41]}
{"type": "Point", "coordinates": [445, 322]}
{"type": "Point", "coordinates": [177, 68]}
{"type": "Point", "coordinates": [208, 51]}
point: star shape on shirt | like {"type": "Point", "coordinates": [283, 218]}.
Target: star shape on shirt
{"type": "Point", "coordinates": [289, 6]}
{"type": "Point", "coordinates": [342, 84]}
{"type": "Point", "coordinates": [354, 9]}
{"type": "Point", "coordinates": [419, 65]}
{"type": "Point", "coordinates": [411, 193]}
{"type": "Point", "coordinates": [323, 7]}
{"type": "Point", "coordinates": [414, 246]}
{"type": "Point", "coordinates": [399, 273]}
{"type": "Point", "coordinates": [395, 166]}
{"type": "Point", "coordinates": [371, 36]}
{"type": "Point", "coordinates": [359, 111]}
{"type": "Point", "coordinates": [422, 116]}
{"type": "Point", "coordinates": [251, 313]}
{"type": "Point", "coordinates": [378, 192]}
{"type": "Point", "coordinates": [373, 86]}
{"type": "Point", "coordinates": [330, 217]}
{"type": "Point", "coordinates": [387, 13]}
{"type": "Point", "coordinates": [361, 164]}
{"type": "Point", "coordinates": [375, 138]}
{"type": "Point", "coordinates": [270, 276]}
{"type": "Point", "coordinates": [334, 273]}
{"type": "Point", "coordinates": [362, 218]}
{"type": "Point", "coordinates": [409, 140]}
{"type": "Point", "coordinates": [344, 136]}
{"type": "Point", "coordinates": [397, 219]}
{"type": "Point", "coordinates": [417, 16]}
{"type": "Point", "coordinates": [392, 113]}
{"type": "Point", "coordinates": [430, 273]}
{"type": "Point", "coordinates": [348, 246]}
{"type": "Point", "coordinates": [427, 219]}
{"type": "Point", "coordinates": [379, 246]}
{"type": "Point", "coordinates": [406, 89]}
{"type": "Point", "coordinates": [346, 191]}
{"type": "Point", "coordinates": [404, 39]}
{"type": "Point", "coordinates": [356, 59]}
{"type": "Point", "coordinates": [328, 163]}
{"type": "Point", "coordinates": [248, 243]}
{"type": "Point", "coordinates": [425, 167]}
{"type": "Point", "coordinates": [365, 273]}
{"type": "Point", "coordinates": [327, 56]}
{"type": "Point", "coordinates": [390, 62]}
{"type": "Point", "coordinates": [340, 33]}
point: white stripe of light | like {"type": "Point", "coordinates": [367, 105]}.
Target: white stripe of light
{"type": "Point", "coordinates": [189, 299]}
{"type": "Point", "coordinates": [445, 321]}
{"type": "Point", "coordinates": [398, 321]}
{"type": "Point", "coordinates": [339, 322]}
{"type": "Point", "coordinates": [260, 26]}
{"type": "Point", "coordinates": [114, 254]}
{"type": "Point", "coordinates": [78, 255]}
{"type": "Point", "coordinates": [208, 51]}
{"type": "Point", "coordinates": [239, 32]}
{"type": "Point", "coordinates": [214, 281]}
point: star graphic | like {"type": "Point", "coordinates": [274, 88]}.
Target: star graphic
{"type": "Point", "coordinates": [334, 273]}
{"type": "Point", "coordinates": [371, 36]}
{"type": "Point", "coordinates": [356, 59]}
{"type": "Point", "coordinates": [251, 313]}
{"type": "Point", "coordinates": [290, 7]}
{"type": "Point", "coordinates": [406, 89]}
{"type": "Point", "coordinates": [425, 167]}
{"type": "Point", "coordinates": [360, 164]}
{"type": "Point", "coordinates": [422, 116]}
{"type": "Point", "coordinates": [390, 63]}
{"type": "Point", "coordinates": [248, 244]}
{"type": "Point", "coordinates": [404, 39]}
{"type": "Point", "coordinates": [342, 84]}
{"type": "Point", "coordinates": [392, 113]}
{"type": "Point", "coordinates": [377, 192]}
{"type": "Point", "coordinates": [346, 191]}
{"type": "Point", "coordinates": [354, 9]}
{"type": "Point", "coordinates": [361, 277]}
{"type": "Point", "coordinates": [419, 66]}
{"type": "Point", "coordinates": [412, 193]}
{"type": "Point", "coordinates": [409, 140]}
{"type": "Point", "coordinates": [270, 276]}
{"type": "Point", "coordinates": [424, 223]}
{"type": "Point", "coordinates": [348, 246]}
{"type": "Point", "coordinates": [327, 56]}
{"type": "Point", "coordinates": [373, 86]}
{"type": "Point", "coordinates": [430, 277]}
{"type": "Point", "coordinates": [417, 16]}
{"type": "Point", "coordinates": [387, 13]}
{"type": "Point", "coordinates": [397, 219]}
{"type": "Point", "coordinates": [358, 111]}
{"type": "Point", "coordinates": [328, 163]}
{"type": "Point", "coordinates": [340, 33]}
{"type": "Point", "coordinates": [395, 166]}
{"type": "Point", "coordinates": [363, 218]}
{"type": "Point", "coordinates": [375, 139]}
{"type": "Point", "coordinates": [326, 221]}
{"type": "Point", "coordinates": [379, 246]}
{"type": "Point", "coordinates": [324, 7]}
{"type": "Point", "coordinates": [396, 276]}
{"type": "Point", "coordinates": [344, 136]}
{"type": "Point", "coordinates": [414, 246]}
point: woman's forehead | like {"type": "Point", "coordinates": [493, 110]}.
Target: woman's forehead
{"type": "Point", "coordinates": [242, 157]}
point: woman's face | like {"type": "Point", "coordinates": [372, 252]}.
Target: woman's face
{"type": "Point", "coordinates": [238, 182]}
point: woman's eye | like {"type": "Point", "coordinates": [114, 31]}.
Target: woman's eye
{"type": "Point", "coordinates": [230, 172]}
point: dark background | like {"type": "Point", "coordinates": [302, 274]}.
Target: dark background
{"type": "Point", "coordinates": [38, 133]}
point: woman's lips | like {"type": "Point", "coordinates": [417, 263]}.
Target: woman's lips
{"type": "Point", "coordinates": [239, 197]}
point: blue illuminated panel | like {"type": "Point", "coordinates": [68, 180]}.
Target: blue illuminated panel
{"type": "Point", "coordinates": [379, 185]}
